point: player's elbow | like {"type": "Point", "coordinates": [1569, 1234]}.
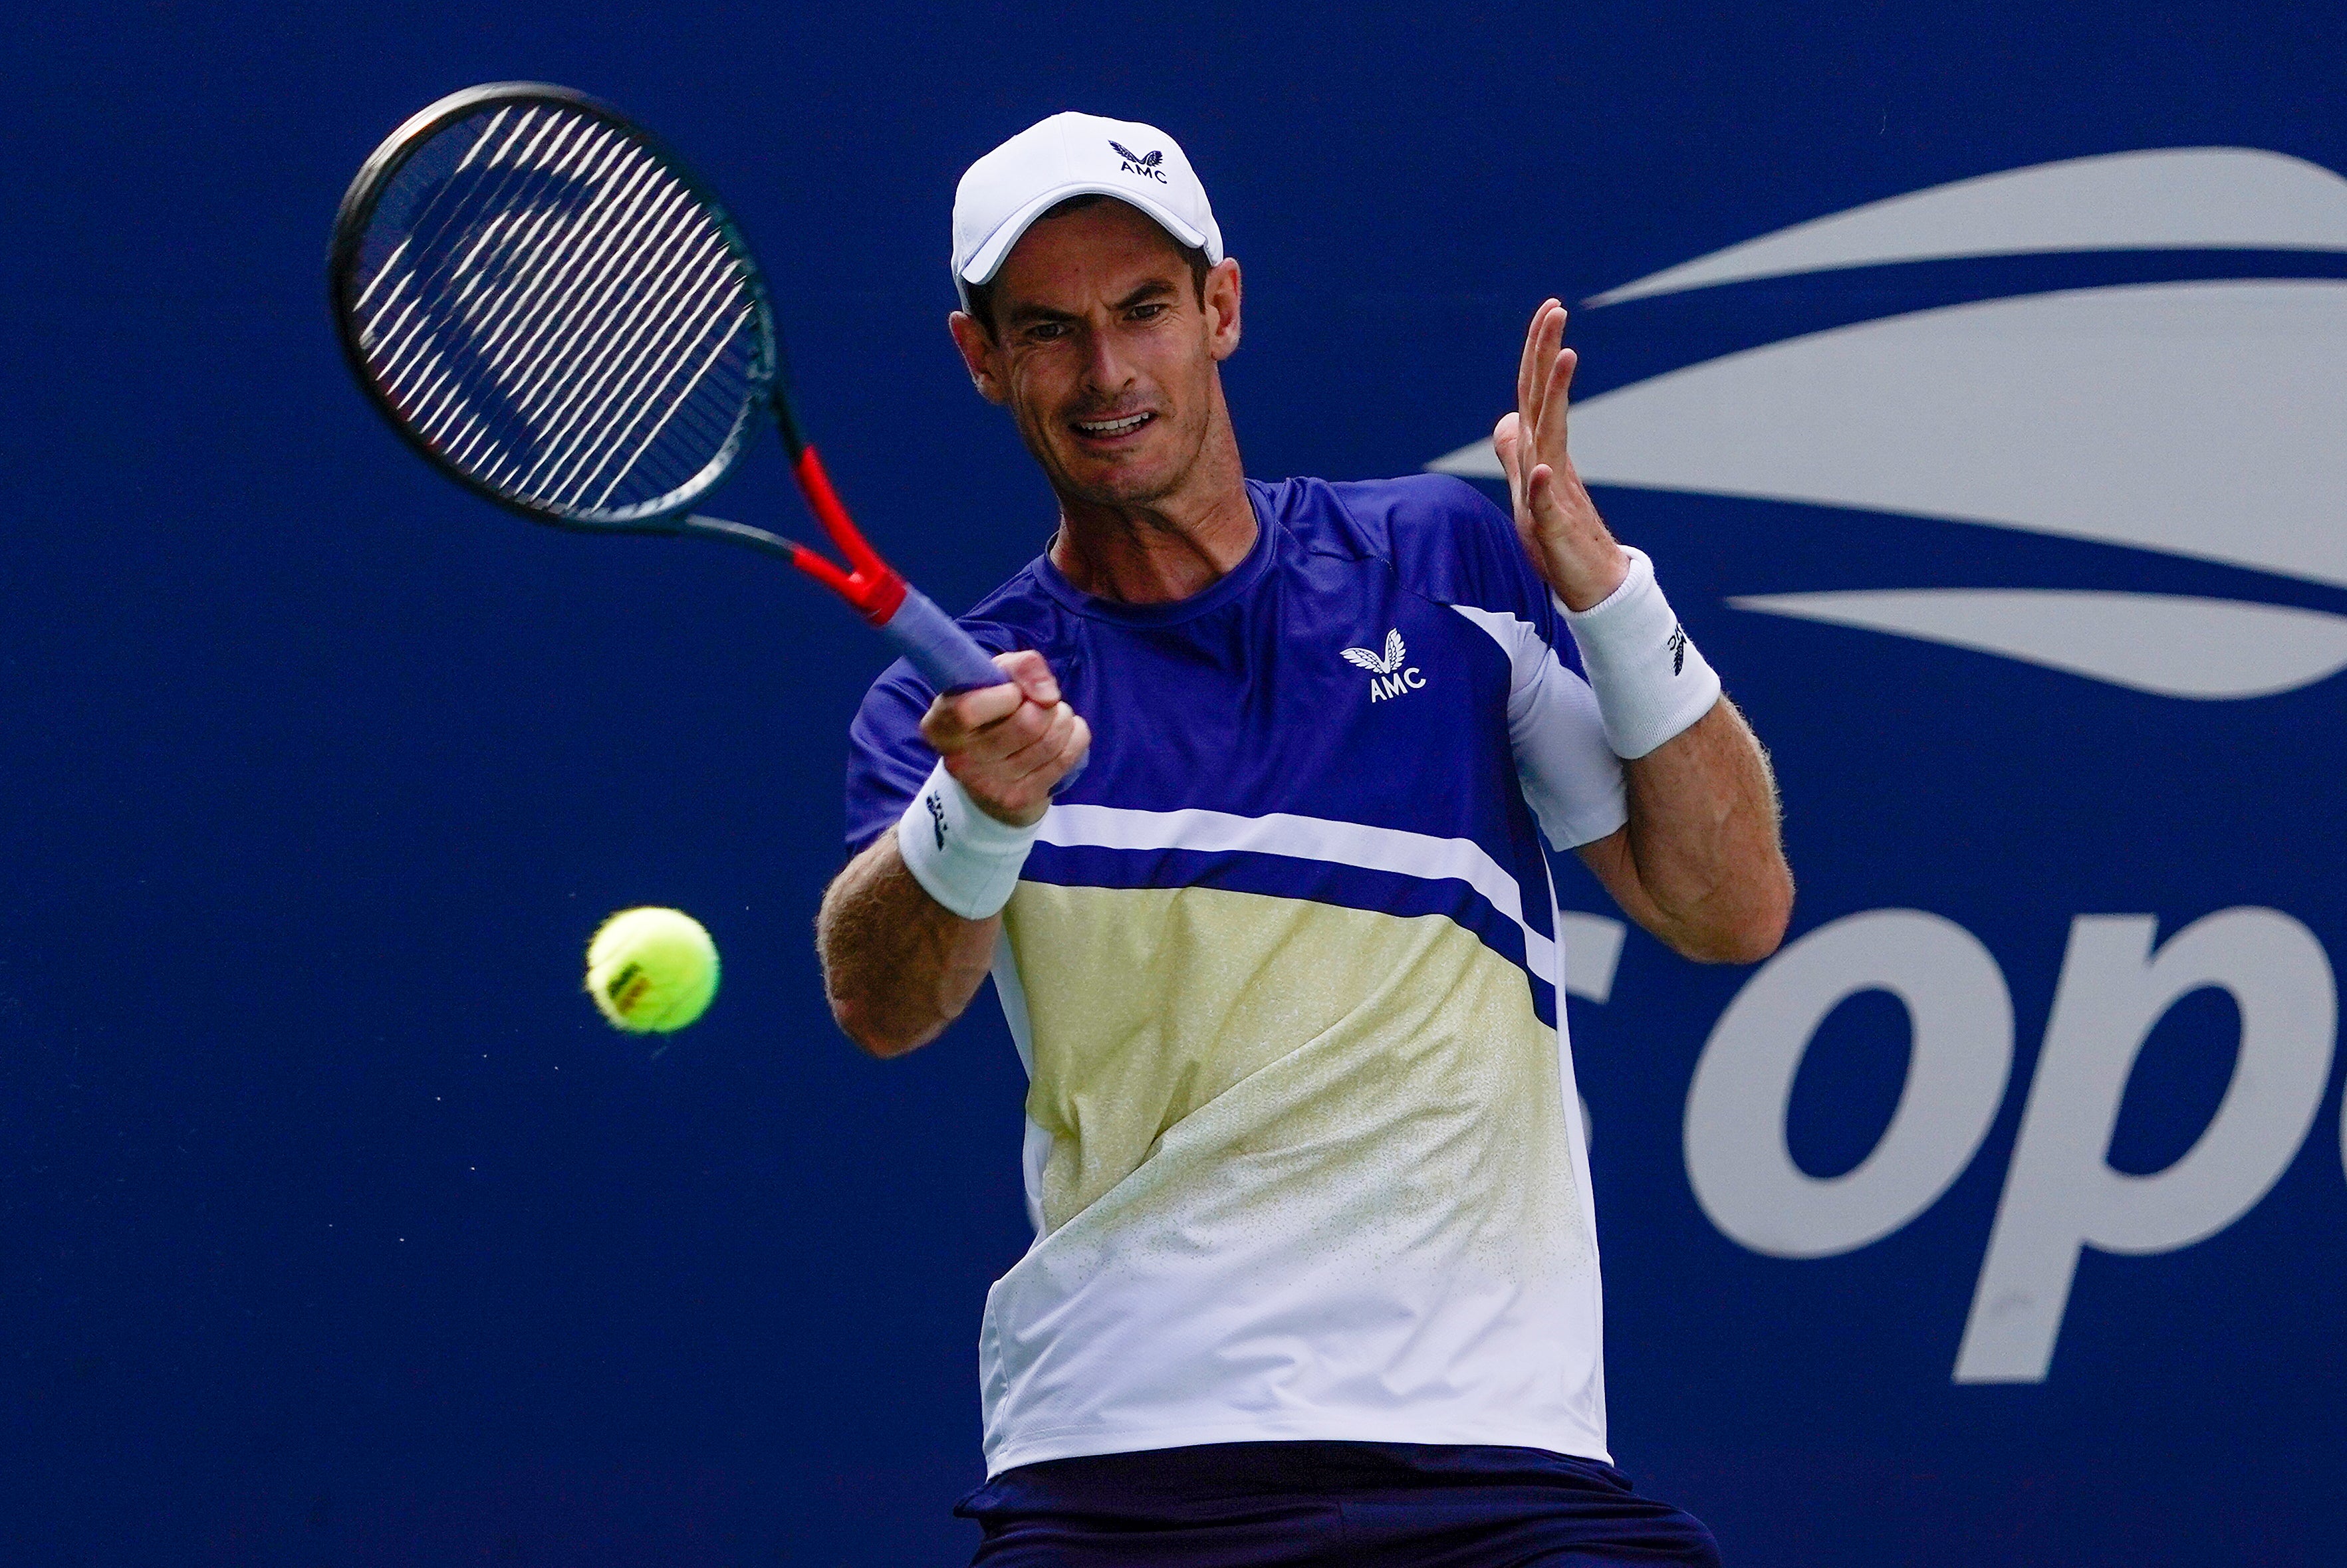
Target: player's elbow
{"type": "Point", "coordinates": [1745, 930]}
{"type": "Point", "coordinates": [1750, 941]}
{"type": "Point", "coordinates": [877, 1031]}
{"type": "Point", "coordinates": [1741, 943]}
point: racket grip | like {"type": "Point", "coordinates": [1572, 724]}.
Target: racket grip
{"type": "Point", "coordinates": [948, 658]}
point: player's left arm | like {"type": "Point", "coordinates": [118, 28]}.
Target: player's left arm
{"type": "Point", "coordinates": [1700, 861]}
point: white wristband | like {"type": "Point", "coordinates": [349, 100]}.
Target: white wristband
{"type": "Point", "coordinates": [963, 859]}
{"type": "Point", "coordinates": [1651, 682]}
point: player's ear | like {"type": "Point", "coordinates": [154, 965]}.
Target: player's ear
{"type": "Point", "coordinates": [977, 345]}
{"type": "Point", "coordinates": [1222, 302]}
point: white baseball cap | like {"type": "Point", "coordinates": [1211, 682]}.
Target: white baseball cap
{"type": "Point", "coordinates": [1074, 155]}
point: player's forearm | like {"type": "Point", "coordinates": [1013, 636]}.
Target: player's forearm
{"type": "Point", "coordinates": [897, 966]}
{"type": "Point", "coordinates": [1701, 864]}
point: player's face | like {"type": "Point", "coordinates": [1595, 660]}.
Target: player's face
{"type": "Point", "coordinates": [1104, 354]}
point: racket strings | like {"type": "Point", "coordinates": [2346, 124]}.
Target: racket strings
{"type": "Point", "coordinates": [416, 369]}
{"type": "Point", "coordinates": [639, 344]}
{"type": "Point", "coordinates": [507, 337]}
{"type": "Point", "coordinates": [560, 318]}
{"type": "Point", "coordinates": [417, 288]}
{"type": "Point", "coordinates": [491, 308]}
{"type": "Point", "coordinates": [604, 265]}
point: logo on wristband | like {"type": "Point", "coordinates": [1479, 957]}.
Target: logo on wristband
{"type": "Point", "coordinates": [936, 802]}
{"type": "Point", "coordinates": [1677, 643]}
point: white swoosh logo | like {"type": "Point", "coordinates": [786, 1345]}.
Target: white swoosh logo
{"type": "Point", "coordinates": [2200, 419]}
{"type": "Point", "coordinates": [2182, 198]}
{"type": "Point", "coordinates": [2197, 419]}
{"type": "Point", "coordinates": [2174, 645]}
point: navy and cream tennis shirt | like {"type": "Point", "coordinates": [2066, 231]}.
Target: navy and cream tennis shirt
{"type": "Point", "coordinates": [1283, 970]}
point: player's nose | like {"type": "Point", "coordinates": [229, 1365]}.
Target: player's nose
{"type": "Point", "coordinates": [1108, 370]}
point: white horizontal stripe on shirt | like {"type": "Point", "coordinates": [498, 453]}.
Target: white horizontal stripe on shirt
{"type": "Point", "coordinates": [1388, 849]}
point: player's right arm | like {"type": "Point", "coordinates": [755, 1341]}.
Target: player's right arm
{"type": "Point", "coordinates": [897, 966]}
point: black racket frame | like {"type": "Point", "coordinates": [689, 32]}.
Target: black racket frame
{"type": "Point", "coordinates": [665, 514]}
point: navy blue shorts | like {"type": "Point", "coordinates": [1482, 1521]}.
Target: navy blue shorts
{"type": "Point", "coordinates": [1329, 1505]}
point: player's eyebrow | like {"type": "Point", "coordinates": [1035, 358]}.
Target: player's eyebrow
{"type": "Point", "coordinates": [1024, 314]}
{"type": "Point", "coordinates": [1145, 294]}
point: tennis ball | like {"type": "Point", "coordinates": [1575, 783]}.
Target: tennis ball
{"type": "Point", "coordinates": [651, 970]}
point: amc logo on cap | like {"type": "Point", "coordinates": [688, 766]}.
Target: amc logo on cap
{"type": "Point", "coordinates": [1135, 164]}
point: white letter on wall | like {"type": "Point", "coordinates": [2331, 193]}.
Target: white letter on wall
{"type": "Point", "coordinates": [2062, 1193]}
{"type": "Point", "coordinates": [1959, 1022]}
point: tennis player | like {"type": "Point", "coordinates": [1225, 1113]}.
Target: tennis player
{"type": "Point", "coordinates": [1315, 1270]}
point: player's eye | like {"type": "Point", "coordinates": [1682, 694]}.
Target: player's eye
{"type": "Point", "coordinates": [1047, 331]}
{"type": "Point", "coordinates": [1148, 312]}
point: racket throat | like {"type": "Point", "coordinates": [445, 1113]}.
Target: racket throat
{"type": "Point", "coordinates": [870, 584]}
{"type": "Point", "coordinates": [874, 598]}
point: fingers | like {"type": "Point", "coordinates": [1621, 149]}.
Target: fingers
{"type": "Point", "coordinates": [1540, 344]}
{"type": "Point", "coordinates": [1009, 744]}
{"type": "Point", "coordinates": [954, 719]}
{"type": "Point", "coordinates": [1052, 753]}
{"type": "Point", "coordinates": [1542, 377]}
{"type": "Point", "coordinates": [1507, 441]}
{"type": "Point", "coordinates": [1034, 766]}
{"type": "Point", "coordinates": [1548, 441]}
{"type": "Point", "coordinates": [1011, 770]}
{"type": "Point", "coordinates": [1527, 368]}
{"type": "Point", "coordinates": [995, 762]}
{"type": "Point", "coordinates": [986, 725]}
{"type": "Point", "coordinates": [1031, 674]}
{"type": "Point", "coordinates": [1080, 741]}
{"type": "Point", "coordinates": [1547, 330]}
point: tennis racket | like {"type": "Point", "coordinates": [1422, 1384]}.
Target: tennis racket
{"type": "Point", "coordinates": [550, 309]}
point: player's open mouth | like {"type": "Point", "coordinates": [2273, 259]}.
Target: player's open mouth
{"type": "Point", "coordinates": [1112, 429]}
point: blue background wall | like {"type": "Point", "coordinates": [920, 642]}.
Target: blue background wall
{"type": "Point", "coordinates": [334, 1228]}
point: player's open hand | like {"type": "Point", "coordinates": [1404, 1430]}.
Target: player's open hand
{"type": "Point", "coordinates": [1009, 744]}
{"type": "Point", "coordinates": [1568, 542]}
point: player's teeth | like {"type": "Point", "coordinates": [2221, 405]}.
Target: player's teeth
{"type": "Point", "coordinates": [1110, 427]}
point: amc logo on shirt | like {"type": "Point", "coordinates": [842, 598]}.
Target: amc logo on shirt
{"type": "Point", "coordinates": [1389, 677]}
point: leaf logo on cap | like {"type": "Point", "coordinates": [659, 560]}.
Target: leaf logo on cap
{"type": "Point", "coordinates": [1135, 163]}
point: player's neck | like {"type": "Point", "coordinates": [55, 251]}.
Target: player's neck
{"type": "Point", "coordinates": [1178, 544]}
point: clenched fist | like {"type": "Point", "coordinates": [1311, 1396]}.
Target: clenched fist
{"type": "Point", "coordinates": [1009, 744]}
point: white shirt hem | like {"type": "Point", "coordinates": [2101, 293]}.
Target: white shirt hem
{"type": "Point", "coordinates": [1078, 1442]}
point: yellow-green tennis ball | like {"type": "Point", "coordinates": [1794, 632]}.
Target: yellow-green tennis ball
{"type": "Point", "coordinates": [651, 970]}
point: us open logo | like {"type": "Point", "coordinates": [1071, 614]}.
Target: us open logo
{"type": "Point", "coordinates": [2059, 413]}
